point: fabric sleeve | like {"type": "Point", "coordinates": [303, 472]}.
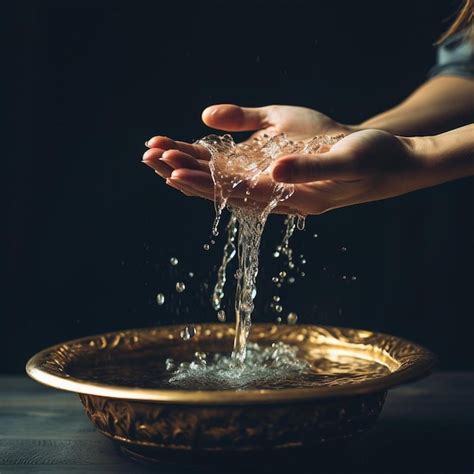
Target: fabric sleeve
{"type": "Point", "coordinates": [455, 57]}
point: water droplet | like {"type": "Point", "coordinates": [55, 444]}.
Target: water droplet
{"type": "Point", "coordinates": [276, 254]}
{"type": "Point", "coordinates": [180, 286]}
{"type": "Point", "coordinates": [276, 298]}
{"type": "Point", "coordinates": [282, 274]}
{"type": "Point", "coordinates": [191, 274]}
{"type": "Point", "coordinates": [221, 316]}
{"type": "Point", "coordinates": [278, 308]}
{"type": "Point", "coordinates": [160, 298]}
{"type": "Point", "coordinates": [300, 223]}
{"type": "Point", "coordinates": [174, 261]}
{"type": "Point", "coordinates": [201, 357]}
{"type": "Point", "coordinates": [292, 318]}
{"type": "Point", "coordinates": [188, 332]}
{"type": "Point", "coordinates": [206, 247]}
{"type": "Point", "coordinates": [275, 280]}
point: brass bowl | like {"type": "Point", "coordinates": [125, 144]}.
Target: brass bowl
{"type": "Point", "coordinates": [115, 383]}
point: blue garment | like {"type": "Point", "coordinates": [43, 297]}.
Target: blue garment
{"type": "Point", "coordinates": [455, 57]}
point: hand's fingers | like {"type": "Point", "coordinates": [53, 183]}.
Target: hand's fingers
{"type": "Point", "coordinates": [201, 181]}
{"type": "Point", "coordinates": [238, 202]}
{"type": "Point", "coordinates": [152, 160]}
{"type": "Point", "coordinates": [308, 168]}
{"type": "Point", "coordinates": [233, 118]}
{"type": "Point", "coordinates": [177, 159]}
{"type": "Point", "coordinates": [166, 143]}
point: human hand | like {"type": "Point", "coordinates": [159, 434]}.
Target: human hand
{"type": "Point", "coordinates": [365, 166]}
{"type": "Point", "coordinates": [298, 123]}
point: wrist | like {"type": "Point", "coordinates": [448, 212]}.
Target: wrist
{"type": "Point", "coordinates": [444, 157]}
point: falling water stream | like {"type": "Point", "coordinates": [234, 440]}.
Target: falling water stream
{"type": "Point", "coordinates": [236, 170]}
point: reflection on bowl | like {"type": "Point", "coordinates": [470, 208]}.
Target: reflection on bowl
{"type": "Point", "coordinates": [123, 385]}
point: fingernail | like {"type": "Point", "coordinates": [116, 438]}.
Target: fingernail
{"type": "Point", "coordinates": [278, 173]}
{"type": "Point", "coordinates": [146, 143]}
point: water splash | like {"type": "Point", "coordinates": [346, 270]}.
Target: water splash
{"type": "Point", "coordinates": [246, 164]}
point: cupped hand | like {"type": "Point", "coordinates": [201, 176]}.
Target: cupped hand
{"type": "Point", "coordinates": [169, 158]}
{"type": "Point", "coordinates": [364, 166]}
{"type": "Point", "coordinates": [298, 123]}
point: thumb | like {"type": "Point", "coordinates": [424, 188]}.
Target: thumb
{"type": "Point", "coordinates": [233, 118]}
{"type": "Point", "coordinates": [308, 168]}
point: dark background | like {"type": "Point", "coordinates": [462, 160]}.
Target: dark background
{"type": "Point", "coordinates": [90, 230]}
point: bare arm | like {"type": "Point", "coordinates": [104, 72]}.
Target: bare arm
{"type": "Point", "coordinates": [442, 103]}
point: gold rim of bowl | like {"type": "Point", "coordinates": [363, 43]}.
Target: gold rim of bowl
{"type": "Point", "coordinates": [407, 361]}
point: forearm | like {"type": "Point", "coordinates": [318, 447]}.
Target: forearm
{"type": "Point", "coordinates": [447, 156]}
{"type": "Point", "coordinates": [443, 103]}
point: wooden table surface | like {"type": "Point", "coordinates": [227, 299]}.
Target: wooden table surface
{"type": "Point", "coordinates": [427, 426]}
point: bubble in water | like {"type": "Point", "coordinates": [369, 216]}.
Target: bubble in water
{"type": "Point", "coordinates": [275, 280]}
{"type": "Point", "coordinates": [188, 332]}
{"type": "Point", "coordinates": [344, 277]}
{"type": "Point", "coordinates": [303, 262]}
{"type": "Point", "coordinates": [292, 318]}
{"type": "Point", "coordinates": [276, 254]}
{"type": "Point", "coordinates": [180, 286]}
{"type": "Point", "coordinates": [276, 298]}
{"type": "Point", "coordinates": [291, 280]}
{"type": "Point", "coordinates": [278, 320]}
{"type": "Point", "coordinates": [191, 275]}
{"type": "Point", "coordinates": [213, 242]}
{"type": "Point", "coordinates": [315, 236]}
{"type": "Point", "coordinates": [160, 298]}
{"type": "Point", "coordinates": [206, 247]}
{"type": "Point", "coordinates": [343, 249]}
{"type": "Point", "coordinates": [303, 274]}
{"type": "Point", "coordinates": [278, 308]}
{"type": "Point", "coordinates": [221, 316]}
{"type": "Point", "coordinates": [282, 274]}
{"type": "Point", "coordinates": [291, 265]}
{"type": "Point", "coordinates": [174, 261]}
{"type": "Point", "coordinates": [353, 278]}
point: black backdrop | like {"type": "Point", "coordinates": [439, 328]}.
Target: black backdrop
{"type": "Point", "coordinates": [90, 229]}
